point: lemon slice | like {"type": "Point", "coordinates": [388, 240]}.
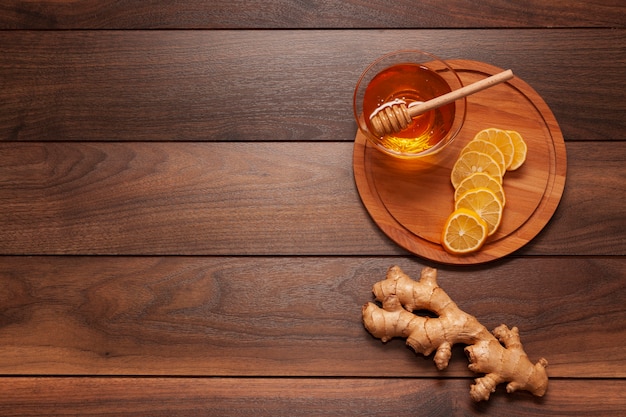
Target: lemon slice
{"type": "Point", "coordinates": [502, 140]}
{"type": "Point", "coordinates": [519, 155]}
{"type": "Point", "coordinates": [471, 162]}
{"type": "Point", "coordinates": [485, 203]}
{"type": "Point", "coordinates": [489, 148]}
{"type": "Point", "coordinates": [464, 232]}
{"type": "Point", "coordinates": [480, 180]}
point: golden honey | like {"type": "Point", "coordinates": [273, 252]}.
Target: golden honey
{"type": "Point", "coordinates": [410, 83]}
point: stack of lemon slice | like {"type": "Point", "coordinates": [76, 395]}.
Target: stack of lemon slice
{"type": "Point", "coordinates": [479, 197]}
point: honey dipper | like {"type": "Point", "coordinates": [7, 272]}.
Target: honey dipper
{"type": "Point", "coordinates": [395, 116]}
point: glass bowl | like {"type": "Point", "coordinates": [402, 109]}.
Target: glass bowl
{"type": "Point", "coordinates": [406, 77]}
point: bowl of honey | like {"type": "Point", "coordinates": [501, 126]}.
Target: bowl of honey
{"type": "Point", "coordinates": [404, 79]}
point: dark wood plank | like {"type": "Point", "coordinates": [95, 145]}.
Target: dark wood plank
{"type": "Point", "coordinates": [277, 397]}
{"type": "Point", "coordinates": [187, 198]}
{"type": "Point", "coordinates": [140, 14]}
{"type": "Point", "coordinates": [264, 316]}
{"type": "Point", "coordinates": [292, 85]}
{"type": "Point", "coordinates": [248, 199]}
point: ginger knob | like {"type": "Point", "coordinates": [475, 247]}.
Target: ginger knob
{"type": "Point", "coordinates": [498, 355]}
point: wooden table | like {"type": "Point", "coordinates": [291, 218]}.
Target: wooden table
{"type": "Point", "coordinates": [181, 234]}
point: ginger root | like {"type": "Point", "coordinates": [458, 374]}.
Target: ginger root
{"type": "Point", "coordinates": [498, 355]}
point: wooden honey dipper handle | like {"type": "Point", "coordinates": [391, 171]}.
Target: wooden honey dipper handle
{"type": "Point", "coordinates": [460, 93]}
{"type": "Point", "coordinates": [391, 118]}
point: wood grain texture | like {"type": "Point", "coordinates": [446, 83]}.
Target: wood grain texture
{"type": "Point", "coordinates": [303, 397]}
{"type": "Point", "coordinates": [195, 85]}
{"type": "Point", "coordinates": [248, 199]}
{"type": "Point", "coordinates": [289, 316]}
{"type": "Point", "coordinates": [141, 14]}
{"type": "Point", "coordinates": [210, 163]}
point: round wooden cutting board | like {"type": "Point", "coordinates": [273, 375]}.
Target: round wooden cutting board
{"type": "Point", "coordinates": [410, 200]}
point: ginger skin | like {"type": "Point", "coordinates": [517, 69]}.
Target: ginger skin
{"type": "Point", "coordinates": [498, 355]}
